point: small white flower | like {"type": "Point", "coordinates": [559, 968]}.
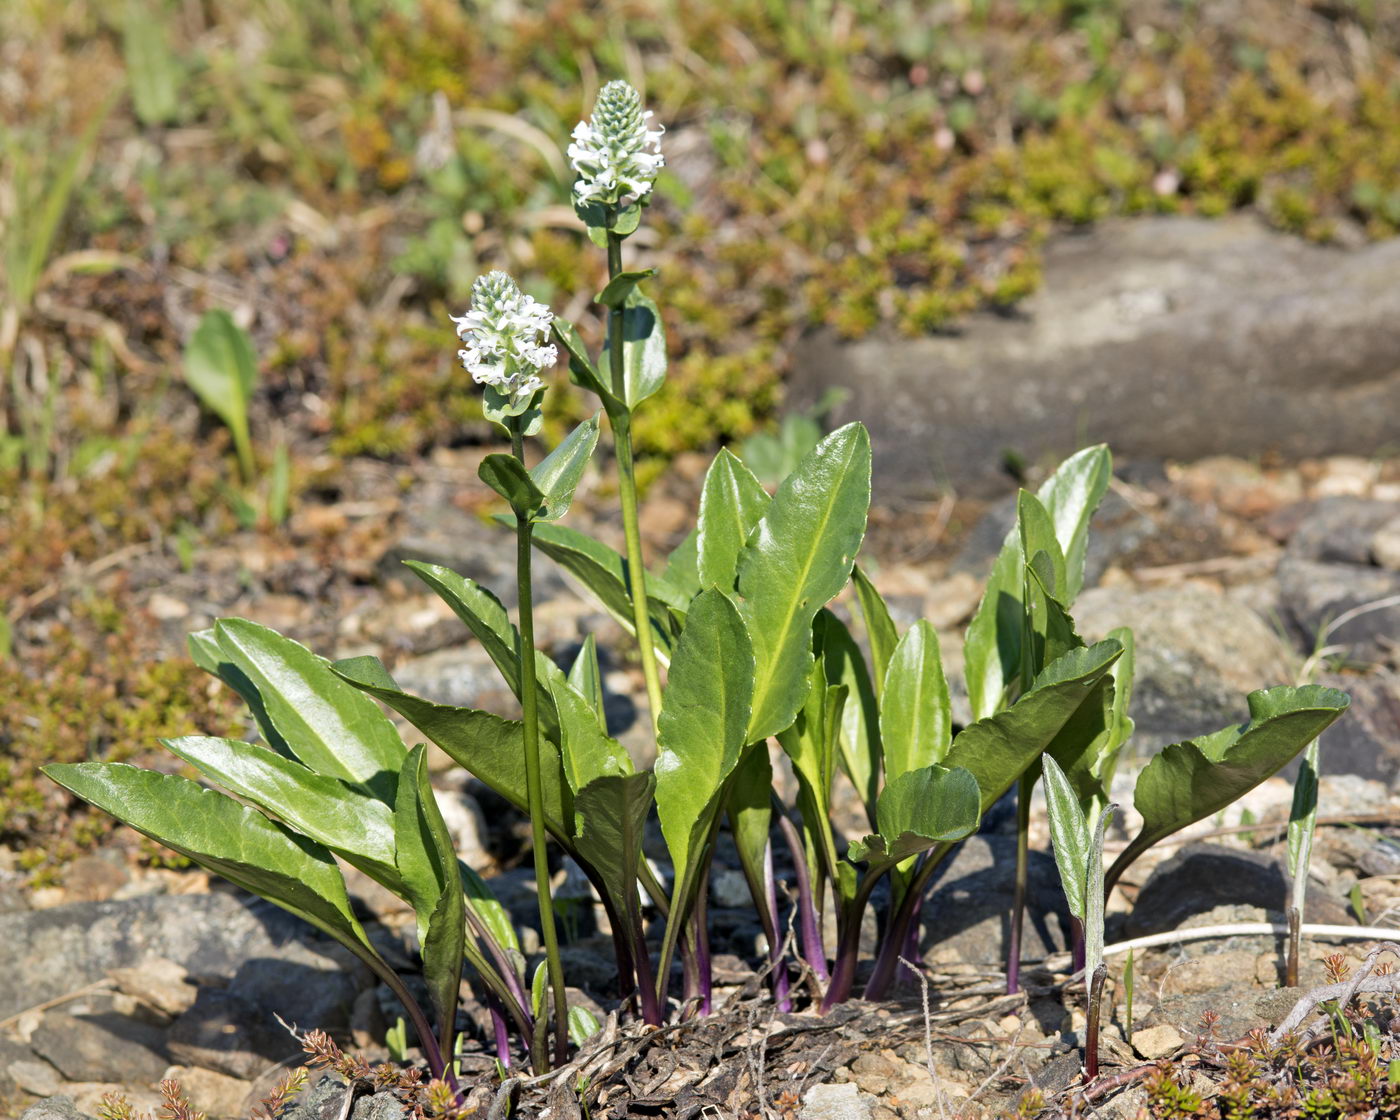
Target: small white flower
{"type": "Point", "coordinates": [616, 156]}
{"type": "Point", "coordinates": [505, 334]}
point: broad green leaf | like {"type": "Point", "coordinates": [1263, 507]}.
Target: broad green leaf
{"type": "Point", "coordinates": [1191, 780]}
{"type": "Point", "coordinates": [992, 647]}
{"type": "Point", "coordinates": [587, 678]}
{"type": "Point", "coordinates": [620, 287]}
{"type": "Point", "coordinates": [348, 822]}
{"type": "Point", "coordinates": [489, 747]}
{"type": "Point", "coordinates": [583, 1024]}
{"type": "Point", "coordinates": [916, 721]}
{"type": "Point", "coordinates": [428, 866]}
{"type": "Point", "coordinates": [859, 739]}
{"type": "Point", "coordinates": [879, 627]}
{"type": "Point", "coordinates": [798, 557]}
{"type": "Point", "coordinates": [1069, 836]}
{"type": "Point", "coordinates": [333, 728]}
{"type": "Point", "coordinates": [582, 371]}
{"type": "Point", "coordinates": [227, 838]}
{"type": "Point", "coordinates": [1037, 533]}
{"type": "Point", "coordinates": [643, 349]}
{"type": "Point", "coordinates": [701, 739]}
{"type": "Point", "coordinates": [587, 750]}
{"type": "Point", "coordinates": [507, 475]}
{"type": "Point", "coordinates": [557, 475]}
{"type": "Point", "coordinates": [222, 369]}
{"type": "Point", "coordinates": [682, 571]}
{"type": "Point", "coordinates": [206, 652]}
{"type": "Point", "coordinates": [998, 749]}
{"type": "Point", "coordinates": [611, 815]}
{"type": "Point", "coordinates": [731, 503]}
{"type": "Point", "coordinates": [919, 810]}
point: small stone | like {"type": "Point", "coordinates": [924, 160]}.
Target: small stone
{"type": "Point", "coordinates": [835, 1102]}
{"type": "Point", "coordinates": [730, 890]}
{"type": "Point", "coordinates": [1157, 1042]}
{"type": "Point", "coordinates": [94, 878]}
{"type": "Point", "coordinates": [158, 982]}
{"type": "Point", "coordinates": [216, 1094]}
{"type": "Point", "coordinates": [1346, 476]}
{"type": "Point", "coordinates": [100, 1048]}
{"type": "Point", "coordinates": [55, 1108]}
{"type": "Point", "coordinates": [873, 1072]}
{"type": "Point", "coordinates": [1208, 972]}
{"type": "Point", "coordinates": [467, 826]}
{"type": "Point", "coordinates": [35, 1077]}
{"type": "Point", "coordinates": [166, 608]}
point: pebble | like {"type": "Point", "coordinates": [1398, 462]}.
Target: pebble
{"type": "Point", "coordinates": [1157, 1042]}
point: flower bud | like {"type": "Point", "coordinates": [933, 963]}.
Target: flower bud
{"type": "Point", "coordinates": [615, 154]}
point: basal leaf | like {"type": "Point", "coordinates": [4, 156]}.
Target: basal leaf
{"type": "Point", "coordinates": [798, 557]}
{"type": "Point", "coordinates": [209, 655]}
{"type": "Point", "coordinates": [1189, 781]}
{"type": "Point", "coordinates": [879, 627]}
{"type": "Point", "coordinates": [222, 368]}
{"type": "Point", "coordinates": [916, 722]}
{"type": "Point", "coordinates": [333, 728]}
{"type": "Point", "coordinates": [587, 750]}
{"type": "Point", "coordinates": [1069, 836]}
{"type": "Point", "coordinates": [731, 503]}
{"type": "Point", "coordinates": [919, 810]}
{"type": "Point", "coordinates": [611, 816]}
{"type": "Point", "coordinates": [859, 738]}
{"type": "Point", "coordinates": [587, 679]}
{"type": "Point", "coordinates": [1071, 495]}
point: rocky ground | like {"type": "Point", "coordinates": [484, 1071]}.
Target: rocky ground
{"type": "Point", "coordinates": [1234, 576]}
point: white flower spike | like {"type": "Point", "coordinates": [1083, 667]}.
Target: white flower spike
{"type": "Point", "coordinates": [615, 154]}
{"type": "Point", "coordinates": [505, 333]}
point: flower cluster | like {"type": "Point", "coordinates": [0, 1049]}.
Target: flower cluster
{"type": "Point", "coordinates": [505, 333]}
{"type": "Point", "coordinates": [610, 150]}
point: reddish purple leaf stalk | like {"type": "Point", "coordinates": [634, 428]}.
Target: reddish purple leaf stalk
{"type": "Point", "coordinates": [809, 927]}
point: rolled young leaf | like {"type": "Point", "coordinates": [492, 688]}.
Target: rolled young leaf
{"type": "Point", "coordinates": [1069, 836]}
{"type": "Point", "coordinates": [586, 677]}
{"type": "Point", "coordinates": [1191, 780]}
{"type": "Point", "coordinates": [798, 557]}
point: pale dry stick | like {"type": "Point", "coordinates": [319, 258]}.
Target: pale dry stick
{"type": "Point", "coordinates": [1342, 993]}
{"type": "Point", "coordinates": [105, 985]}
{"type": "Point", "coordinates": [758, 1066]}
{"type": "Point", "coordinates": [1266, 827]}
{"type": "Point", "coordinates": [928, 1036]}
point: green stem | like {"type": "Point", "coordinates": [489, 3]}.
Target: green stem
{"type": "Point", "coordinates": [529, 703]}
{"type": "Point", "coordinates": [627, 493]}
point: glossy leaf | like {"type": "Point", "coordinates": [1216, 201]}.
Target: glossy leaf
{"type": "Point", "coordinates": [1071, 495]}
{"type": "Point", "coordinates": [507, 475]}
{"type": "Point", "coordinates": [916, 721]}
{"type": "Point", "coordinates": [1189, 781]}
{"type": "Point", "coordinates": [583, 1024]}
{"type": "Point", "coordinates": [749, 806]}
{"type": "Point", "coordinates": [611, 814]}
{"type": "Point", "coordinates": [331, 727]}
{"type": "Point", "coordinates": [919, 810]}
{"type": "Point", "coordinates": [557, 475]}
{"type": "Point", "coordinates": [615, 293]}
{"type": "Point", "coordinates": [731, 503]}
{"type": "Point", "coordinates": [880, 629]}
{"type": "Point", "coordinates": [998, 749]}
{"type": "Point", "coordinates": [224, 837]}
{"type": "Point", "coordinates": [798, 557]}
{"type": "Point", "coordinates": [643, 349]}
{"type": "Point", "coordinates": [587, 750]}
{"type": "Point", "coordinates": [350, 823]}
{"type": "Point", "coordinates": [701, 735]}
{"type": "Point", "coordinates": [587, 679]}
{"type": "Point", "coordinates": [206, 652]}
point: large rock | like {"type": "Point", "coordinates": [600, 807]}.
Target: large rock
{"type": "Point", "coordinates": [212, 937]}
{"type": "Point", "coordinates": [55, 1108]}
{"type": "Point", "coordinates": [1166, 337]}
{"type": "Point", "coordinates": [1198, 655]}
{"type": "Point", "coordinates": [230, 1035]}
{"type": "Point", "coordinates": [1352, 608]}
{"type": "Point", "coordinates": [1365, 741]}
{"type": "Point", "coordinates": [107, 1047]}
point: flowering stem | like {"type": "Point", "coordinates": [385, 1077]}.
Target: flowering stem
{"type": "Point", "coordinates": [627, 492]}
{"type": "Point", "coordinates": [529, 703]}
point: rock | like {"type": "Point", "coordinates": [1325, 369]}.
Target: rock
{"type": "Point", "coordinates": [1198, 655]}
{"type": "Point", "coordinates": [461, 675]}
{"type": "Point", "coordinates": [1365, 742]}
{"type": "Point", "coordinates": [216, 1094]}
{"type": "Point", "coordinates": [157, 982]}
{"type": "Point", "coordinates": [230, 1035]}
{"type": "Point", "coordinates": [965, 917]}
{"type": "Point", "coordinates": [100, 1048]}
{"type": "Point", "coordinates": [298, 991]}
{"type": "Point", "coordinates": [1166, 337]}
{"type": "Point", "coordinates": [1240, 1009]}
{"type": "Point", "coordinates": [1201, 877]}
{"type": "Point", "coordinates": [1318, 595]}
{"type": "Point", "coordinates": [211, 936]}
{"type": "Point", "coordinates": [1340, 530]}
{"type": "Point", "coordinates": [835, 1102]}
{"type": "Point", "coordinates": [55, 1108]}
{"type": "Point", "coordinates": [467, 825]}
{"type": "Point", "coordinates": [325, 1100]}
{"type": "Point", "coordinates": [95, 878]}
{"type": "Point", "coordinates": [1385, 545]}
{"type": "Point", "coordinates": [1206, 971]}
{"type": "Point", "coordinates": [730, 890]}
{"type": "Point", "coordinates": [39, 1079]}
{"type": "Point", "coordinates": [1157, 1042]}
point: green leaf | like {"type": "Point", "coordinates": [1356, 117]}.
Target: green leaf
{"type": "Point", "coordinates": [919, 810]}
{"type": "Point", "coordinates": [682, 571]}
{"type": "Point", "coordinates": [487, 908]}
{"type": "Point", "coordinates": [348, 822]}
{"type": "Point", "coordinates": [557, 475]}
{"type": "Point", "coordinates": [701, 739]}
{"type": "Point", "coordinates": [810, 744]}
{"type": "Point", "coordinates": [1094, 896]}
{"type": "Point", "coordinates": [1121, 724]}
{"type": "Point", "coordinates": [222, 368]}
{"type": "Point", "coordinates": [487, 746]}
{"type": "Point", "coordinates": [643, 349]}
{"type": "Point", "coordinates": [998, 749]}
{"type": "Point", "coordinates": [583, 1024]}
{"type": "Point", "coordinates": [1071, 495]}
{"type": "Point", "coordinates": [152, 68]}
{"type": "Point", "coordinates": [206, 652]}
{"type": "Point", "coordinates": [587, 750]}
{"type": "Point", "coordinates": [585, 676]}
{"type": "Point", "coordinates": [428, 865]}
{"type": "Point", "coordinates": [227, 838]}
{"type": "Point", "coordinates": [1037, 534]}
{"type": "Point", "coordinates": [749, 806]}
{"type": "Point", "coordinates": [1302, 815]}
{"type": "Point", "coordinates": [610, 815]}
{"type": "Point", "coordinates": [731, 504]}
{"type": "Point", "coordinates": [879, 627]}
{"type": "Point", "coordinates": [1069, 836]}
{"type": "Point", "coordinates": [331, 727]}
{"type": "Point", "coordinates": [506, 475]}
{"type": "Point", "coordinates": [859, 738]}
{"type": "Point", "coordinates": [620, 287]}
{"type": "Point", "coordinates": [527, 416]}
{"type": "Point", "coordinates": [582, 371]}
{"type": "Point", "coordinates": [1191, 780]}
{"type": "Point", "coordinates": [797, 558]}
{"type": "Point", "coordinates": [916, 721]}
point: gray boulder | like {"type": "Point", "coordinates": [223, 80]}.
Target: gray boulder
{"type": "Point", "coordinates": [55, 1108]}
{"type": "Point", "coordinates": [1166, 337]}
